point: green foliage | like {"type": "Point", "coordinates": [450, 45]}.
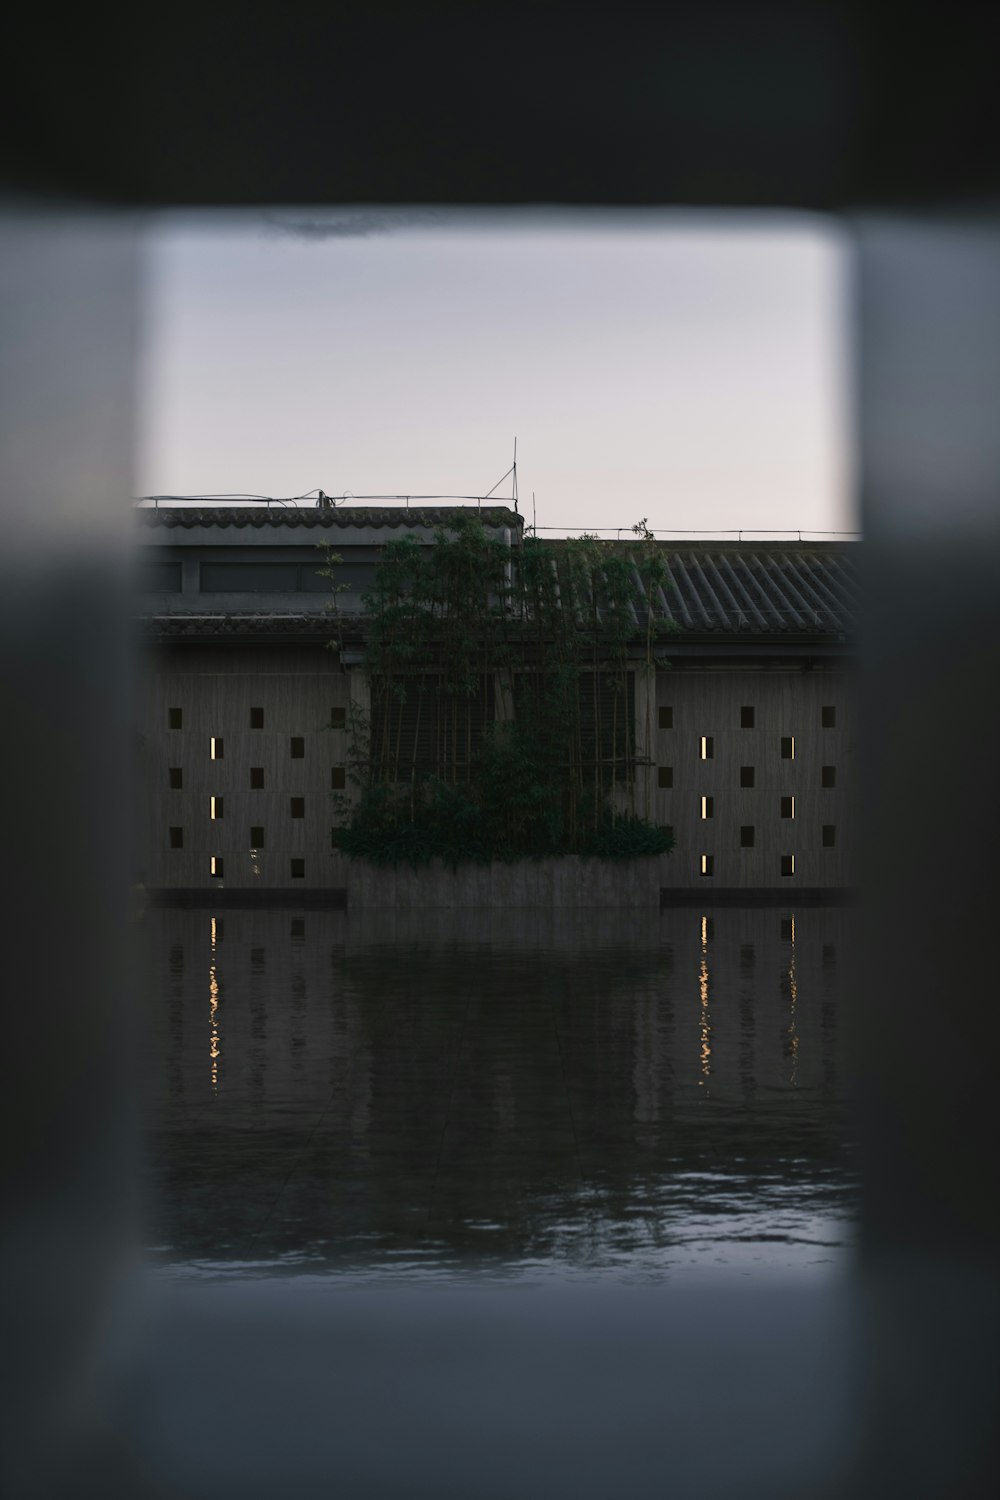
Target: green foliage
{"type": "Point", "coordinates": [555, 634]}
{"type": "Point", "coordinates": [626, 837]}
{"type": "Point", "coordinates": [393, 826]}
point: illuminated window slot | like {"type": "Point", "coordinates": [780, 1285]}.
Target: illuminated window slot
{"type": "Point", "coordinates": [788, 864]}
{"type": "Point", "coordinates": [708, 864]}
{"type": "Point", "coordinates": [216, 807]}
{"type": "Point", "coordinates": [216, 866]}
{"type": "Point", "coordinates": [788, 807]}
{"type": "Point", "coordinates": [707, 747]}
{"type": "Point", "coordinates": [788, 747]}
{"type": "Point", "coordinates": [707, 807]}
{"type": "Point", "coordinates": [216, 747]}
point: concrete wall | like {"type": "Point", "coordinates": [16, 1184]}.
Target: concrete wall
{"type": "Point", "coordinates": [528, 884]}
{"type": "Point", "coordinates": [215, 689]}
{"type": "Point", "coordinates": [297, 686]}
{"type": "Point", "coordinates": [787, 702]}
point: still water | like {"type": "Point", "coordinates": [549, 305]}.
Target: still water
{"type": "Point", "coordinates": [527, 1096]}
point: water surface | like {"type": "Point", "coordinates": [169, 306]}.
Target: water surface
{"type": "Point", "coordinates": [530, 1096]}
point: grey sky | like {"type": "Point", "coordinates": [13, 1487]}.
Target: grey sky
{"type": "Point", "coordinates": [688, 370]}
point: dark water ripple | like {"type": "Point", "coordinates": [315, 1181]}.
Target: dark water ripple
{"type": "Point", "coordinates": [434, 1094]}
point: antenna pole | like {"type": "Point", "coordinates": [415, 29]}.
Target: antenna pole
{"type": "Point", "coordinates": [534, 516]}
{"type": "Point", "coordinates": [514, 480]}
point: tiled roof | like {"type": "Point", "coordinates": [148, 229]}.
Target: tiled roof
{"type": "Point", "coordinates": [747, 589]}
{"type": "Point", "coordinates": [260, 518]}
{"type": "Point", "coordinates": [192, 626]}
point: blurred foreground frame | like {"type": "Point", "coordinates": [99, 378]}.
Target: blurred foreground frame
{"type": "Point", "coordinates": [707, 109]}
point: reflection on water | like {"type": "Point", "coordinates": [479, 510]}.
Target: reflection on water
{"type": "Point", "coordinates": [567, 1094]}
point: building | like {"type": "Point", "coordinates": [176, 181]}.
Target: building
{"type": "Point", "coordinates": [744, 739]}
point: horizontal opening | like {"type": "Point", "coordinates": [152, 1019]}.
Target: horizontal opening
{"type": "Point", "coordinates": [285, 578]}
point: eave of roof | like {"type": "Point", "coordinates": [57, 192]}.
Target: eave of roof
{"type": "Point", "coordinates": [343, 518]}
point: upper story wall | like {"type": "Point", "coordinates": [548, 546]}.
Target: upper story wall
{"type": "Point", "coordinates": [241, 561]}
{"type": "Point", "coordinates": [231, 565]}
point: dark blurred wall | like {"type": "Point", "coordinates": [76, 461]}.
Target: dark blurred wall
{"type": "Point", "coordinates": [732, 106]}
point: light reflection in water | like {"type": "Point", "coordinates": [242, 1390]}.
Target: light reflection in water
{"type": "Point", "coordinates": [793, 995]}
{"type": "Point", "coordinates": [214, 1035]}
{"type": "Point", "coordinates": [706, 1019]}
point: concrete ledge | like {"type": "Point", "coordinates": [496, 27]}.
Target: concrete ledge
{"type": "Point", "coordinates": [545, 885]}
